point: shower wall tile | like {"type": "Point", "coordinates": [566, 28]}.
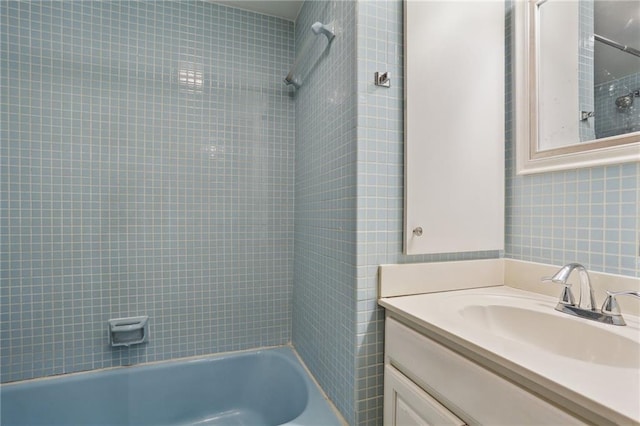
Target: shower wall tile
{"type": "Point", "coordinates": [147, 166]}
{"type": "Point", "coordinates": [325, 214]}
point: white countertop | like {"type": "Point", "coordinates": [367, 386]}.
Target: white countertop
{"type": "Point", "coordinates": [604, 390]}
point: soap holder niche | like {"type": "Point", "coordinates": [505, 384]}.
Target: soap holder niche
{"type": "Point", "coordinates": [128, 331]}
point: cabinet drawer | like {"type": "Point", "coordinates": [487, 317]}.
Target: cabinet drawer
{"type": "Point", "coordinates": [472, 392]}
{"type": "Point", "coordinates": [406, 404]}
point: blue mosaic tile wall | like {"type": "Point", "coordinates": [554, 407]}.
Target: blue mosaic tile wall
{"type": "Point", "coordinates": [325, 213]}
{"type": "Point", "coordinates": [146, 169]}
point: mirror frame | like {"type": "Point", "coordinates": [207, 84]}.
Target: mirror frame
{"type": "Point", "coordinates": [606, 151]}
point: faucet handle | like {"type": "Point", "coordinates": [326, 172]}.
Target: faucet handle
{"type": "Point", "coordinates": [610, 305]}
{"type": "Point", "coordinates": [566, 298]}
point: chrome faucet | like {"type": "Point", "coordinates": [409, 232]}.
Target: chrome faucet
{"type": "Point", "coordinates": [586, 307]}
{"type": "Point", "coordinates": [586, 299]}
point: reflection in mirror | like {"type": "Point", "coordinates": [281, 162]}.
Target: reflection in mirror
{"type": "Point", "coordinates": [616, 67]}
{"type": "Point", "coordinates": [588, 65]}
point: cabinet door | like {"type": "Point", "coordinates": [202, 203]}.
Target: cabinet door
{"type": "Point", "coordinates": [454, 126]}
{"type": "Point", "coordinates": [405, 404]}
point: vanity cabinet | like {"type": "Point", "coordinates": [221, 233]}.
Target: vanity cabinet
{"type": "Point", "coordinates": [428, 383]}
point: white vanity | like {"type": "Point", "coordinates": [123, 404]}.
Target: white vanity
{"type": "Point", "coordinates": [461, 347]}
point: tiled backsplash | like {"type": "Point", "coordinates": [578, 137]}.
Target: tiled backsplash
{"type": "Point", "coordinates": [147, 169]}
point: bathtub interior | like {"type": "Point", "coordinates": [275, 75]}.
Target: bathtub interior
{"type": "Point", "coordinates": [267, 387]}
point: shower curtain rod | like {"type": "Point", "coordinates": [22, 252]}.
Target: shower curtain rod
{"type": "Point", "coordinates": [609, 42]}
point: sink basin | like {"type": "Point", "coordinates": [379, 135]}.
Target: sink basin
{"type": "Point", "coordinates": [555, 332]}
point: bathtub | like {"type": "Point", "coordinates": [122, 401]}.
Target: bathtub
{"type": "Point", "coordinates": [265, 387]}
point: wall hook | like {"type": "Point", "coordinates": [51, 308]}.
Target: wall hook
{"type": "Point", "coordinates": [382, 79]}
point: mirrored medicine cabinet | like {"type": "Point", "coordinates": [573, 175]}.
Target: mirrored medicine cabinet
{"type": "Point", "coordinates": [577, 83]}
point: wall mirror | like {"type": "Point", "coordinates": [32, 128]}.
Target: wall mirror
{"type": "Point", "coordinates": [577, 83]}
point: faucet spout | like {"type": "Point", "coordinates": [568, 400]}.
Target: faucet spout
{"type": "Point", "coordinates": [587, 299]}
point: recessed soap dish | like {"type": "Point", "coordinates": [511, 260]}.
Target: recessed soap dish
{"type": "Point", "coordinates": [128, 331]}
